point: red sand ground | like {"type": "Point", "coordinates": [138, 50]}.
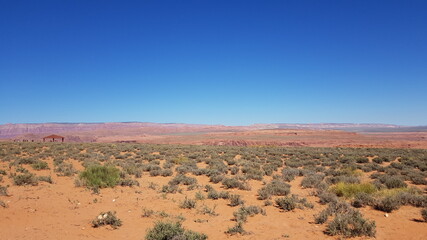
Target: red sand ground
{"type": "Point", "coordinates": [63, 211]}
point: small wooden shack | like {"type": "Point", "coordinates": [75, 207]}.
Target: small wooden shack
{"type": "Point", "coordinates": [53, 137]}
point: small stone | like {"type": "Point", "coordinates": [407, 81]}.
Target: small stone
{"type": "Point", "coordinates": [100, 217]}
{"type": "Point", "coordinates": [386, 215]}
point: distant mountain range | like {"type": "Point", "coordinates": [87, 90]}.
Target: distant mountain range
{"type": "Point", "coordinates": [84, 129]}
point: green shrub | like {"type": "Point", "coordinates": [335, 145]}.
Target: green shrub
{"type": "Point", "coordinates": [100, 176]}
{"type": "Point", "coordinates": [170, 231]}
{"type": "Point", "coordinates": [107, 218]}
{"type": "Point", "coordinates": [349, 190]}
{"type": "Point", "coordinates": [25, 179]}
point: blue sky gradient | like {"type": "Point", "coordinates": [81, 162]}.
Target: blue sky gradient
{"type": "Point", "coordinates": [214, 62]}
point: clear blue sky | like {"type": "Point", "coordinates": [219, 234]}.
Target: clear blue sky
{"type": "Point", "coordinates": [214, 62]}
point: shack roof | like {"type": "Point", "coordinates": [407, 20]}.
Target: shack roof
{"type": "Point", "coordinates": [54, 136]}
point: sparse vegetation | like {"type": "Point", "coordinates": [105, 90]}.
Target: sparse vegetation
{"type": "Point", "coordinates": [100, 176]}
{"type": "Point", "coordinates": [107, 218]}
{"type": "Point", "coordinates": [172, 230]}
{"type": "Point", "coordinates": [343, 178]}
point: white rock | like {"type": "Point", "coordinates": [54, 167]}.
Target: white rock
{"type": "Point", "coordinates": [386, 215]}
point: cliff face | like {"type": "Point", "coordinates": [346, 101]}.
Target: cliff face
{"type": "Point", "coordinates": [13, 130]}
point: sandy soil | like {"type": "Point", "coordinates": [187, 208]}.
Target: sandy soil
{"type": "Point", "coordinates": [61, 210]}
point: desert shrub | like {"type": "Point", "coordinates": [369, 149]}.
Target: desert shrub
{"type": "Point", "coordinates": [362, 199]}
{"type": "Point", "coordinates": [47, 179]}
{"type": "Point", "coordinates": [188, 203]}
{"type": "Point", "coordinates": [289, 174]}
{"type": "Point", "coordinates": [412, 198]}
{"type": "Point", "coordinates": [199, 196]}
{"type": "Point", "coordinates": [65, 169]}
{"type": "Point", "coordinates": [166, 173]}
{"type": "Point", "coordinates": [286, 203]}
{"type": "Point", "coordinates": [344, 179]}
{"type": "Point", "coordinates": [28, 160]}
{"type": "Point", "coordinates": [147, 212]}
{"type": "Point", "coordinates": [351, 224]}
{"type": "Point", "coordinates": [150, 167]}
{"type": "Point", "coordinates": [21, 169]}
{"type": "Point", "coordinates": [291, 202]}
{"type": "Point", "coordinates": [362, 160]}
{"type": "Point", "coordinates": [349, 190]}
{"type": "Point", "coordinates": [269, 169]}
{"type": "Point", "coordinates": [276, 187]}
{"type": "Point", "coordinates": [3, 204]}
{"type": "Point", "coordinates": [25, 179]}
{"type": "Point", "coordinates": [234, 170]}
{"type": "Point", "coordinates": [213, 194]}
{"type": "Point", "coordinates": [326, 197]}
{"type": "Point", "coordinates": [216, 178]}
{"type": "Point", "coordinates": [235, 183]}
{"type": "Point", "coordinates": [378, 160]}
{"type": "Point", "coordinates": [424, 214]}
{"type": "Point", "coordinates": [107, 218]}
{"type": "Point", "coordinates": [128, 182]}
{"type": "Point", "coordinates": [172, 231]}
{"type": "Point", "coordinates": [169, 188]}
{"type": "Point", "coordinates": [2, 172]}
{"type": "Point", "coordinates": [100, 176]}
{"type": "Point", "coordinates": [236, 200]}
{"type": "Point", "coordinates": [209, 211]}
{"type": "Point", "coordinates": [182, 179]}
{"type": "Point", "coordinates": [392, 182]}
{"type": "Point", "coordinates": [333, 208]}
{"type": "Point", "coordinates": [155, 173]}
{"type": "Point", "coordinates": [40, 165]}
{"type": "Point", "coordinates": [236, 229]}
{"type": "Point", "coordinates": [312, 180]}
{"type": "Point", "coordinates": [242, 214]}
{"type": "Point", "coordinates": [3, 191]}
{"type": "Point", "coordinates": [387, 204]}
